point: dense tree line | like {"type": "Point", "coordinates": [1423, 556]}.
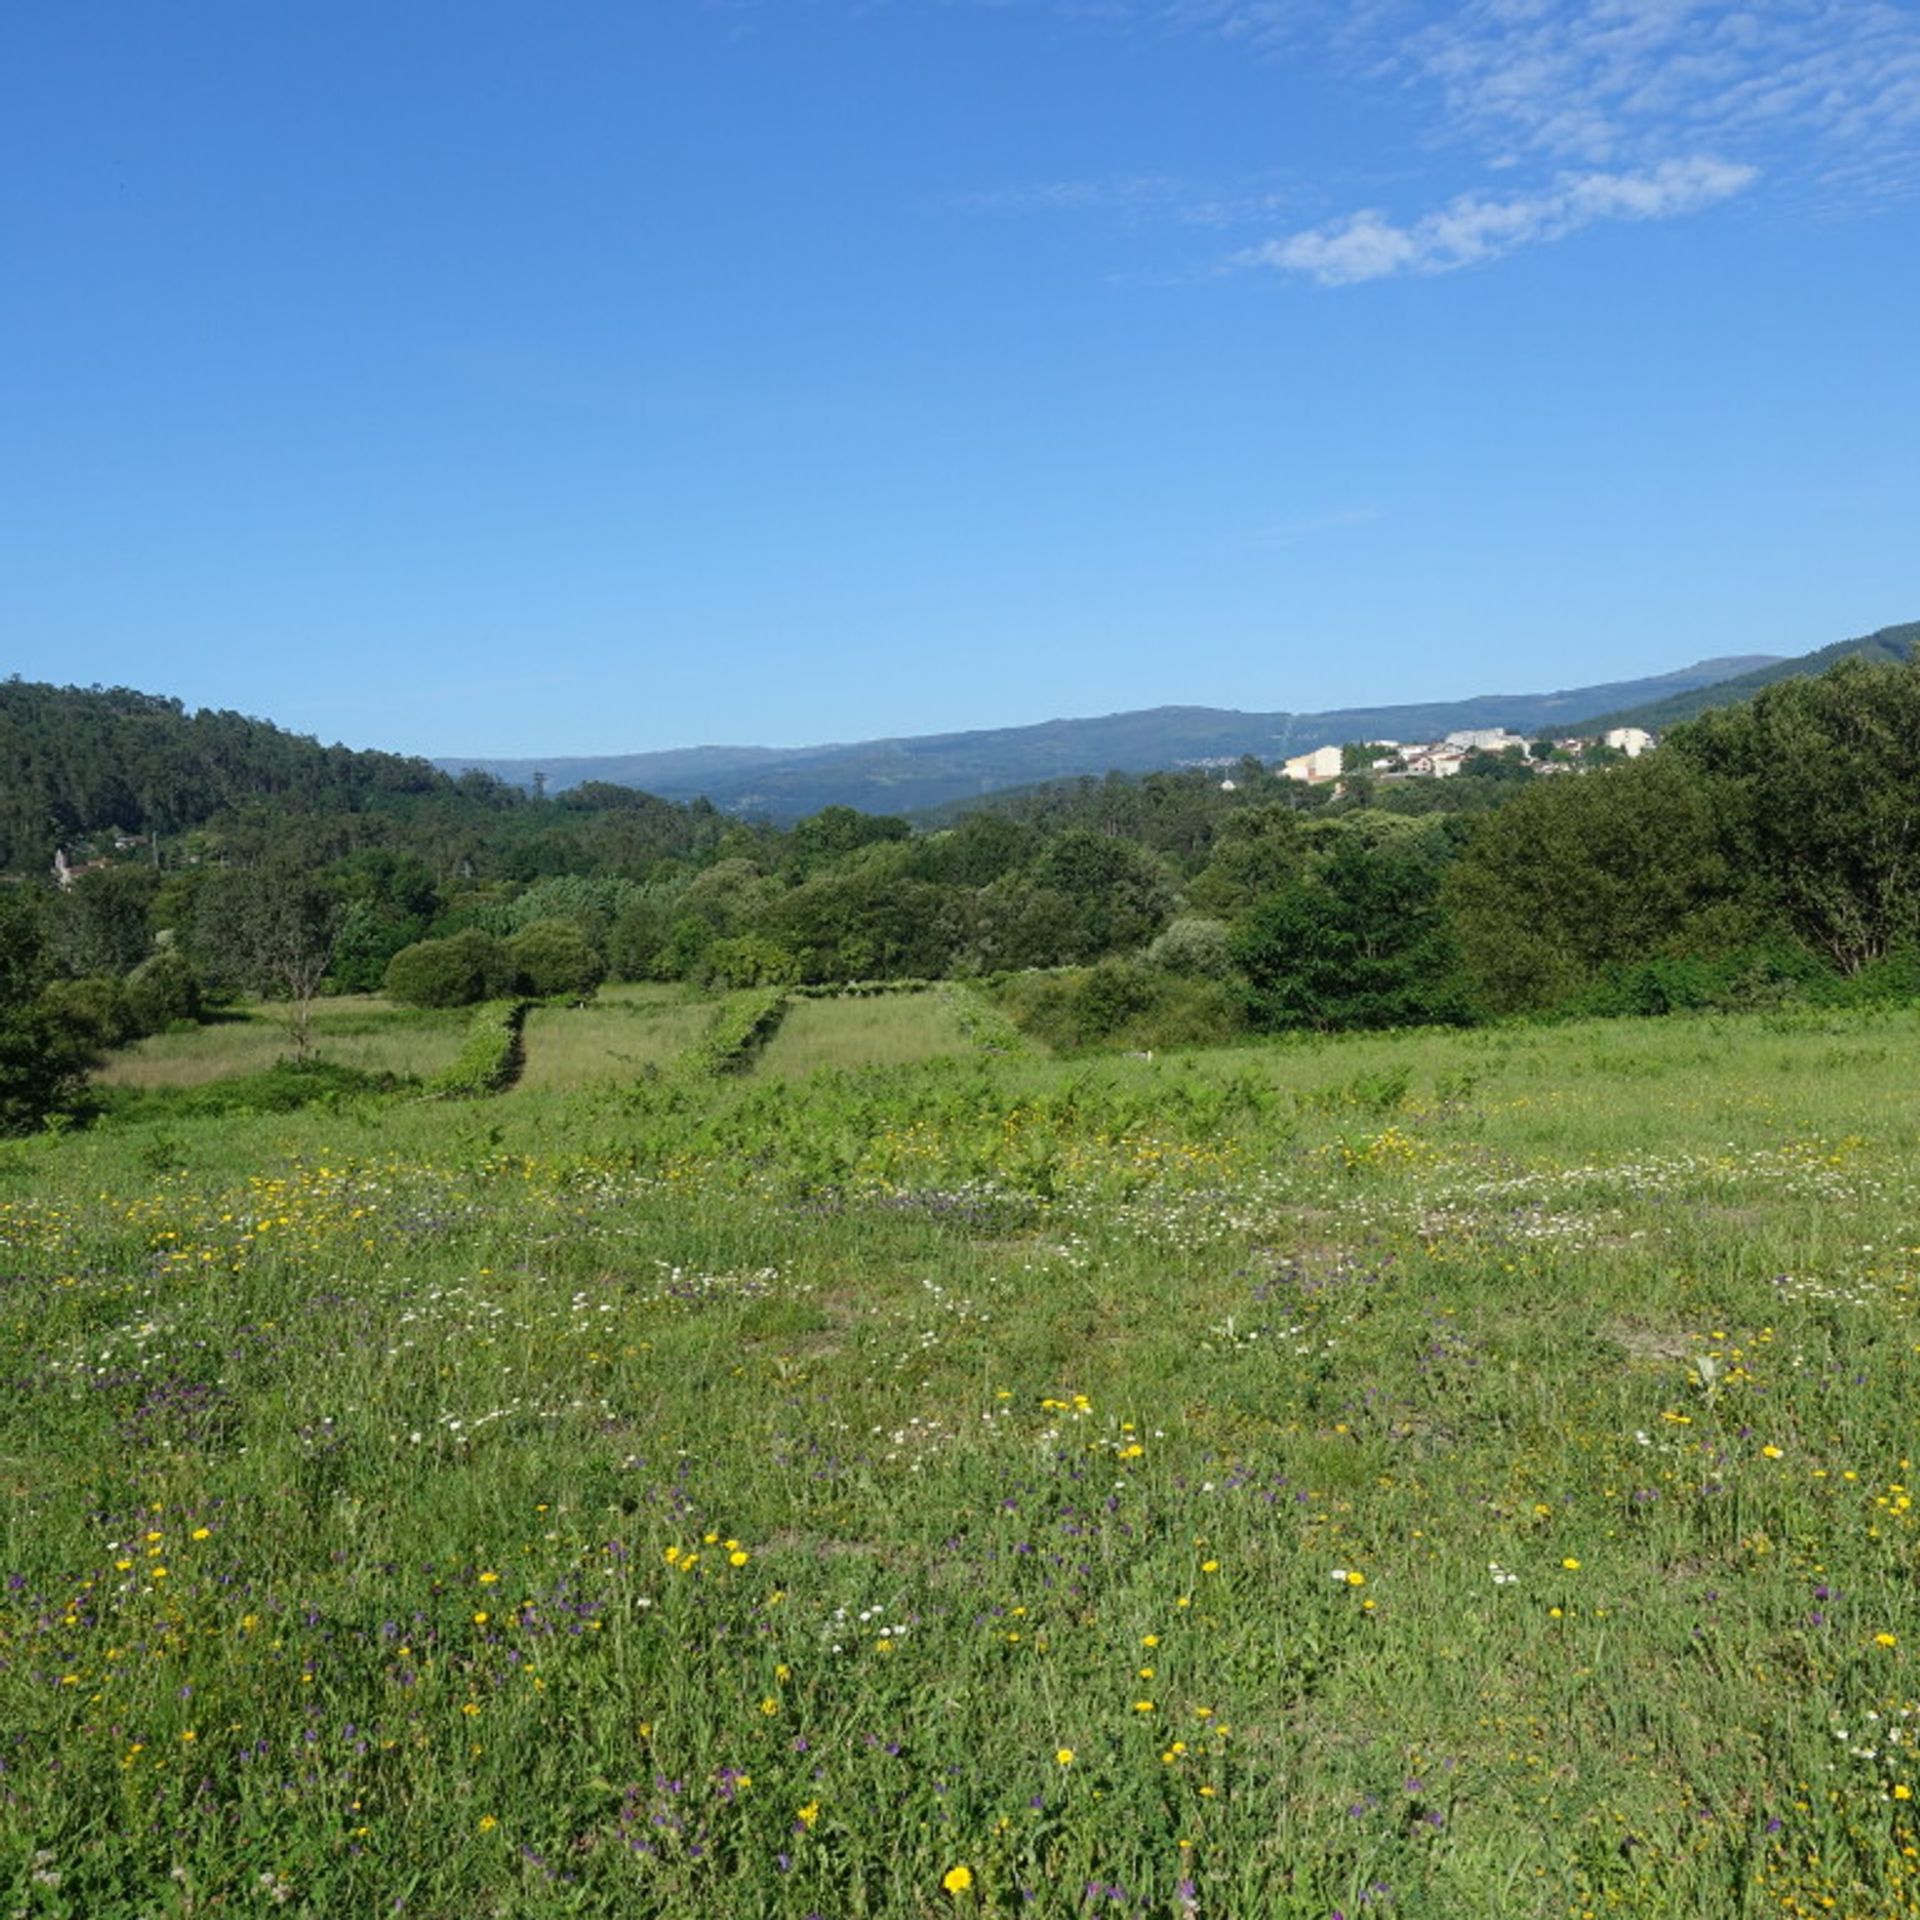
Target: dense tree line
{"type": "Point", "coordinates": [1764, 850]}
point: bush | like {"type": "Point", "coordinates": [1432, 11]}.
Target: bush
{"type": "Point", "coordinates": [459, 971]}
{"type": "Point", "coordinates": [741, 1025]}
{"type": "Point", "coordinates": [552, 959]}
{"type": "Point", "coordinates": [1121, 1003]}
{"type": "Point", "coordinates": [1195, 946]}
{"type": "Point", "coordinates": [96, 1011]}
{"type": "Point", "coordinates": [43, 1068]}
{"type": "Point", "coordinates": [489, 1059]}
{"type": "Point", "coordinates": [285, 1087]}
{"type": "Point", "coordinates": [1750, 980]}
{"type": "Point", "coordinates": [749, 961]}
{"type": "Point", "coordinates": [164, 991]}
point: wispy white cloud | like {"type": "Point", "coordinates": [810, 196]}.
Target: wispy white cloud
{"type": "Point", "coordinates": [1141, 196]}
{"type": "Point", "coordinates": [1572, 112]}
{"type": "Point", "coordinates": [1601, 81]}
{"type": "Point", "coordinates": [1473, 228]}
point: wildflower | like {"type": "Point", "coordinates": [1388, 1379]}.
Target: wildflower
{"type": "Point", "coordinates": [1571, 1564]}
{"type": "Point", "coordinates": [1771, 1453]}
{"type": "Point", "coordinates": [957, 1880]}
{"type": "Point", "coordinates": [1143, 1706]}
{"type": "Point", "coordinates": [489, 1579]}
{"type": "Point", "coordinates": [1886, 1639]}
{"type": "Point", "coordinates": [738, 1557]}
{"type": "Point", "coordinates": [1063, 1756]}
{"type": "Point", "coordinates": [488, 1823]}
{"type": "Point", "coordinates": [808, 1814]}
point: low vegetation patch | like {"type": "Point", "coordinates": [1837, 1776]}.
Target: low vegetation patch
{"type": "Point", "coordinates": [489, 1059]}
{"type": "Point", "coordinates": [1430, 1474]}
{"type": "Point", "coordinates": [741, 1024]}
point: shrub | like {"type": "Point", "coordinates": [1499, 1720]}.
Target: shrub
{"type": "Point", "coordinates": [1121, 1003]}
{"type": "Point", "coordinates": [285, 1087]}
{"type": "Point", "coordinates": [164, 991]}
{"type": "Point", "coordinates": [750, 960]}
{"type": "Point", "coordinates": [489, 1059]}
{"type": "Point", "coordinates": [97, 1011]}
{"type": "Point", "coordinates": [741, 1025]}
{"type": "Point", "coordinates": [1193, 945]}
{"type": "Point", "coordinates": [455, 972]}
{"type": "Point", "coordinates": [552, 959]}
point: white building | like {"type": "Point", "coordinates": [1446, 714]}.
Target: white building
{"type": "Point", "coordinates": [1632, 741]}
{"type": "Point", "coordinates": [1485, 739]}
{"type": "Point", "coordinates": [1323, 763]}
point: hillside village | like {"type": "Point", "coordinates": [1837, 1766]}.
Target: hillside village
{"type": "Point", "coordinates": [1440, 759]}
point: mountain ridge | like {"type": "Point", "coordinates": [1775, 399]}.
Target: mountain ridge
{"type": "Point", "coordinates": [905, 773]}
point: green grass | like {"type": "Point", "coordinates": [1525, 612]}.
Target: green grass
{"type": "Point", "coordinates": [619, 1036]}
{"type": "Point", "coordinates": [880, 1030]}
{"type": "Point", "coordinates": [1416, 1475]}
{"type": "Point", "coordinates": [358, 1030]}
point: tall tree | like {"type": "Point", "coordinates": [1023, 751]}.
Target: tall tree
{"type": "Point", "coordinates": [1578, 875]}
{"type": "Point", "coordinates": [1818, 784]}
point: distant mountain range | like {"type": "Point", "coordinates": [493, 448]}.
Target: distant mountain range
{"type": "Point", "coordinates": [935, 770]}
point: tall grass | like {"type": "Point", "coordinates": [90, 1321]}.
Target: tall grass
{"type": "Point", "coordinates": [1431, 1475]}
{"type": "Point", "coordinates": [886, 1030]}
{"type": "Point", "coordinates": [360, 1031]}
{"type": "Point", "coordinates": [621, 1035]}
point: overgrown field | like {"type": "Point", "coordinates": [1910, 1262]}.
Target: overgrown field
{"type": "Point", "coordinates": [1456, 1474]}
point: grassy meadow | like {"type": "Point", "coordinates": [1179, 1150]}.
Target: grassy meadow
{"type": "Point", "coordinates": [361, 1031]}
{"type": "Point", "coordinates": [1412, 1475]}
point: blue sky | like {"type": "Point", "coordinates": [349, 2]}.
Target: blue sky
{"type": "Point", "coordinates": [502, 379]}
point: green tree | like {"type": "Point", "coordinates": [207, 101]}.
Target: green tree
{"type": "Point", "coordinates": [459, 971]}
{"type": "Point", "coordinates": [553, 958]}
{"type": "Point", "coordinates": [100, 923]}
{"type": "Point", "coordinates": [865, 919]}
{"type": "Point", "coordinates": [1579, 875]}
{"type": "Point", "coordinates": [272, 930]}
{"type": "Point", "coordinates": [1120, 893]}
{"type": "Point", "coordinates": [1364, 943]}
{"type": "Point", "coordinates": [1817, 784]}
{"type": "Point", "coordinates": [43, 1061]}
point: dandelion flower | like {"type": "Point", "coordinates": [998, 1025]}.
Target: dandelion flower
{"type": "Point", "coordinates": [957, 1880]}
{"type": "Point", "coordinates": [1063, 1755]}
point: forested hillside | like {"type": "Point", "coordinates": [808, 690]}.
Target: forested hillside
{"type": "Point", "coordinates": [1888, 645]}
{"type": "Point", "coordinates": [1766, 851]}
{"type": "Point", "coordinates": [80, 761]}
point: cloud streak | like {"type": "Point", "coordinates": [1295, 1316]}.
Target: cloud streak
{"type": "Point", "coordinates": [1473, 228]}
{"type": "Point", "coordinates": [1574, 112]}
